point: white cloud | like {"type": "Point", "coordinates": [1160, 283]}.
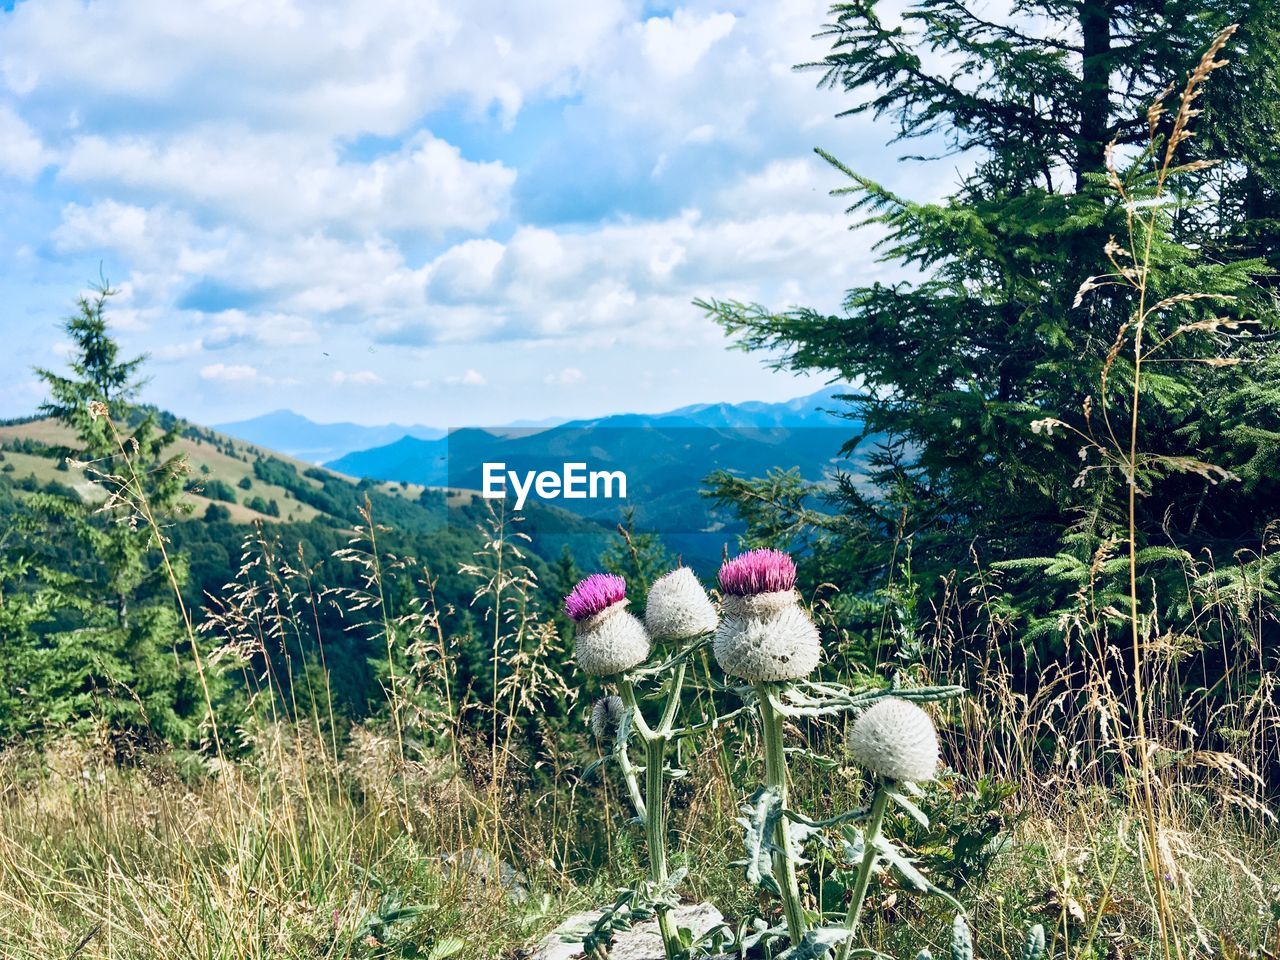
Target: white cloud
{"type": "Point", "coordinates": [675, 44]}
{"type": "Point", "coordinates": [280, 182]}
{"type": "Point", "coordinates": [22, 154]}
{"type": "Point", "coordinates": [464, 272]}
{"type": "Point", "coordinates": [178, 351]}
{"type": "Point", "coordinates": [356, 378]}
{"type": "Point", "coordinates": [232, 373]}
{"type": "Point", "coordinates": [341, 68]}
{"type": "Point", "coordinates": [565, 377]}
{"type": "Point", "coordinates": [790, 184]}
{"type": "Point", "coordinates": [704, 76]}
{"type": "Point", "coordinates": [469, 378]}
{"type": "Point", "coordinates": [267, 328]}
{"type": "Point", "coordinates": [125, 228]}
{"type": "Point", "coordinates": [772, 234]}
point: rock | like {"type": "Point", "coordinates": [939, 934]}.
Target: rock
{"type": "Point", "coordinates": [640, 942]}
{"type": "Point", "coordinates": [479, 867]}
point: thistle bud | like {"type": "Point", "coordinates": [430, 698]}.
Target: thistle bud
{"type": "Point", "coordinates": [605, 716]}
{"type": "Point", "coordinates": [765, 634]}
{"type": "Point", "coordinates": [609, 639]}
{"type": "Point", "coordinates": [678, 607]}
{"type": "Point", "coordinates": [896, 740]}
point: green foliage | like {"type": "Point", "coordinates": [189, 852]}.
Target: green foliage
{"type": "Point", "coordinates": [24, 604]}
{"type": "Point", "coordinates": [952, 367]}
{"type": "Point", "coordinates": [270, 508]}
{"type": "Point", "coordinates": [962, 831]}
{"type": "Point", "coordinates": [104, 645]}
{"type": "Point", "coordinates": [214, 489]}
{"type": "Point", "coordinates": [217, 513]}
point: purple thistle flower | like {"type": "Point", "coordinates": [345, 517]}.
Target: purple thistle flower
{"type": "Point", "coordinates": [758, 571]}
{"type": "Point", "coordinates": [593, 594]}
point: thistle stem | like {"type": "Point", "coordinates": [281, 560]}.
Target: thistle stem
{"type": "Point", "coordinates": [632, 781]}
{"type": "Point", "coordinates": [874, 822]}
{"type": "Point", "coordinates": [655, 822]}
{"type": "Point", "coordinates": [673, 699]}
{"type": "Point", "coordinates": [628, 694]}
{"type": "Point", "coordinates": [775, 774]}
{"type": "Point", "coordinates": [654, 805]}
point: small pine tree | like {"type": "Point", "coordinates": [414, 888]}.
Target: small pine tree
{"type": "Point", "coordinates": [113, 652]}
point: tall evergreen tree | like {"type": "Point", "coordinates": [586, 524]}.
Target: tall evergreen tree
{"type": "Point", "coordinates": [953, 368]}
{"type": "Point", "coordinates": [114, 650]}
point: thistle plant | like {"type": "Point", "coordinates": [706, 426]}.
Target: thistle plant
{"type": "Point", "coordinates": [766, 639]}
{"type": "Point", "coordinates": [769, 640]}
{"type": "Point", "coordinates": [613, 643]}
{"type": "Point", "coordinates": [895, 741]}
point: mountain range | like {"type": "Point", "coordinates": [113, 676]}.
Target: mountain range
{"type": "Point", "coordinates": [376, 445]}
{"type": "Point", "coordinates": [295, 436]}
{"type": "Point", "coordinates": [666, 458]}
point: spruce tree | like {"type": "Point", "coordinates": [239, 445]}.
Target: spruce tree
{"type": "Point", "coordinates": [115, 651]}
{"type": "Point", "coordinates": [953, 368]}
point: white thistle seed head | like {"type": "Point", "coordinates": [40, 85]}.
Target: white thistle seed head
{"type": "Point", "coordinates": [611, 641]}
{"type": "Point", "coordinates": [605, 715]}
{"type": "Point", "coordinates": [779, 645]}
{"type": "Point", "coordinates": [678, 607]}
{"type": "Point", "coordinates": [896, 740]}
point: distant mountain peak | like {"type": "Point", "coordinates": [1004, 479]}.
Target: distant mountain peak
{"type": "Point", "coordinates": [298, 436]}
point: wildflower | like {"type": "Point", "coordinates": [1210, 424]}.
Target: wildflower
{"type": "Point", "coordinates": [605, 715]}
{"type": "Point", "coordinates": [593, 595]}
{"type": "Point", "coordinates": [609, 639]}
{"type": "Point", "coordinates": [896, 740]}
{"type": "Point", "coordinates": [678, 608]}
{"type": "Point", "coordinates": [765, 634]}
{"type": "Point", "coordinates": [756, 572]}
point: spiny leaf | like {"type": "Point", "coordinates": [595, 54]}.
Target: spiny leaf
{"type": "Point", "coordinates": [905, 868]}
{"type": "Point", "coordinates": [909, 808]}
{"type": "Point", "coordinates": [1033, 946]}
{"type": "Point", "coordinates": [760, 818]}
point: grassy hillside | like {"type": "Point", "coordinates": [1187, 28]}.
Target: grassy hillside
{"type": "Point", "coordinates": [32, 448]}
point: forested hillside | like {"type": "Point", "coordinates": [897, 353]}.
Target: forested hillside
{"type": "Point", "coordinates": [234, 516]}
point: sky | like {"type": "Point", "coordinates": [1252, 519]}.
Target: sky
{"type": "Point", "coordinates": [423, 211]}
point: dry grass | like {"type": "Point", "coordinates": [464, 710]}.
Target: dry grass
{"type": "Point", "coordinates": [321, 842]}
{"type": "Point", "coordinates": [97, 862]}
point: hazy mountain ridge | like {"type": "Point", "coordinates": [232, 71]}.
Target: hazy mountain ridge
{"type": "Point", "coordinates": [296, 436]}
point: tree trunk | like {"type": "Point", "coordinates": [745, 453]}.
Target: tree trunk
{"type": "Point", "coordinates": [1095, 87]}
